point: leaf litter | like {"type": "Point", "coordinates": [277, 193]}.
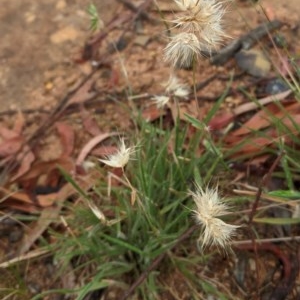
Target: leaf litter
{"type": "Point", "coordinates": [34, 183]}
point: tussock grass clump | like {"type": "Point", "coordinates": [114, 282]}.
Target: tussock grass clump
{"type": "Point", "coordinates": [117, 237]}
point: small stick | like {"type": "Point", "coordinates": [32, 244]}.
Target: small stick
{"type": "Point", "coordinates": [254, 245]}
{"type": "Point", "coordinates": [264, 181]}
{"type": "Point", "coordinates": [269, 240]}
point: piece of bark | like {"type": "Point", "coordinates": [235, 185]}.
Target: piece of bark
{"type": "Point", "coordinates": [245, 42]}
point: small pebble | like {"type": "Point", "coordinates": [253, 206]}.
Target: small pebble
{"type": "Point", "coordinates": [254, 62]}
{"type": "Point", "coordinates": [119, 45]}
{"type": "Point", "coordinates": [276, 86]}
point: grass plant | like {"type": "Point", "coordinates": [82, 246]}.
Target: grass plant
{"type": "Point", "coordinates": [137, 228]}
{"type": "Point", "coordinates": [118, 236]}
{"type": "Point", "coordinates": [148, 211]}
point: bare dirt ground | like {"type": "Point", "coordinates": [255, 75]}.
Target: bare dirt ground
{"type": "Point", "coordinates": [41, 62]}
{"type": "Point", "coordinates": [41, 39]}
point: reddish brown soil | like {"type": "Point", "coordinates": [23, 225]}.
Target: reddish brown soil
{"type": "Point", "coordinates": [40, 50]}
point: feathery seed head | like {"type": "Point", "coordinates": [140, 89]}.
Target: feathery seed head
{"type": "Point", "coordinates": [176, 88]}
{"type": "Point", "coordinates": [120, 158]}
{"type": "Point", "coordinates": [182, 49]}
{"type": "Point", "coordinates": [203, 18]}
{"type": "Point", "coordinates": [182, 92]}
{"type": "Point", "coordinates": [201, 29]}
{"type": "Point", "coordinates": [160, 101]}
{"type": "Point", "coordinates": [209, 207]}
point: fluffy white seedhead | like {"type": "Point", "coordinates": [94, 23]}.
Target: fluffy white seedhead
{"type": "Point", "coordinates": [120, 158]}
{"type": "Point", "coordinates": [209, 206]}
{"type": "Point", "coordinates": [176, 88]}
{"type": "Point", "coordinates": [203, 18]}
{"type": "Point", "coordinates": [160, 101]}
{"type": "Point", "coordinates": [182, 49]}
{"type": "Point", "coordinates": [201, 27]}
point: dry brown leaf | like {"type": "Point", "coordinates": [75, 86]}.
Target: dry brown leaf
{"type": "Point", "coordinates": [246, 107]}
{"type": "Point", "coordinates": [26, 208]}
{"type": "Point", "coordinates": [291, 123]}
{"type": "Point", "coordinates": [47, 200]}
{"type": "Point", "coordinates": [43, 167]}
{"type": "Point", "coordinates": [27, 158]}
{"type": "Point", "coordinates": [258, 161]}
{"type": "Point", "coordinates": [47, 216]}
{"type": "Point", "coordinates": [84, 93]}
{"type": "Point", "coordinates": [8, 134]}
{"type": "Point", "coordinates": [258, 121]}
{"type": "Point", "coordinates": [11, 146]}
{"type": "Point", "coordinates": [90, 125]}
{"type": "Point", "coordinates": [20, 196]}
{"type": "Point", "coordinates": [222, 120]}
{"type": "Point", "coordinates": [263, 118]}
{"type": "Point", "coordinates": [51, 214]}
{"type": "Point", "coordinates": [19, 123]}
{"type": "Point", "coordinates": [104, 150]}
{"type": "Point", "coordinates": [91, 144]}
{"type": "Point", "coordinates": [26, 202]}
{"type": "Point", "coordinates": [67, 137]}
{"type": "Point", "coordinates": [253, 145]}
